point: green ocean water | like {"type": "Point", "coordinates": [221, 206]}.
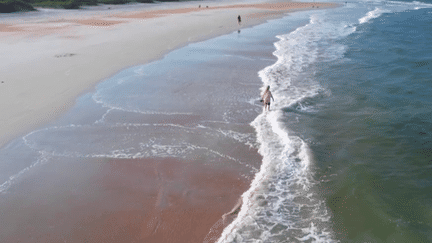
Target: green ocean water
{"type": "Point", "coordinates": [371, 137]}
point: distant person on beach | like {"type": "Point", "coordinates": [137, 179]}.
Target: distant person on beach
{"type": "Point", "coordinates": [239, 19]}
{"type": "Point", "coordinates": [266, 98]}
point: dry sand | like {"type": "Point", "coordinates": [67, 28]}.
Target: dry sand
{"type": "Point", "coordinates": [47, 63]}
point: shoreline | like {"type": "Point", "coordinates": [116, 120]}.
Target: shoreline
{"type": "Point", "coordinates": [169, 176]}
{"type": "Point", "coordinates": [80, 53]}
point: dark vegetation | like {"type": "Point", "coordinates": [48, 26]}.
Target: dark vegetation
{"type": "Point", "coordinates": [9, 6]}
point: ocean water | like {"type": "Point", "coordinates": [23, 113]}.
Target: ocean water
{"type": "Point", "coordinates": [346, 146]}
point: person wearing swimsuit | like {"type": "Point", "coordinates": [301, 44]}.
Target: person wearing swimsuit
{"type": "Point", "coordinates": [266, 98]}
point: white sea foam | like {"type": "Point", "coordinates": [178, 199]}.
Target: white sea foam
{"type": "Point", "coordinates": [391, 6]}
{"type": "Point", "coordinates": [282, 204]}
{"type": "Point", "coordinates": [373, 14]}
{"type": "Point", "coordinates": [98, 100]}
{"type": "Point", "coordinates": [413, 4]}
{"type": "Point", "coordinates": [83, 142]}
{"type": "Point", "coordinates": [123, 143]}
{"type": "Point", "coordinates": [43, 158]}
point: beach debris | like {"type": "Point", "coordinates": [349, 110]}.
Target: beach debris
{"type": "Point", "coordinates": [65, 55]}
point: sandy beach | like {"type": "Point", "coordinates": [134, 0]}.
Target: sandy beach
{"type": "Point", "coordinates": [148, 157]}
{"type": "Point", "coordinates": [48, 62]}
{"type": "Point", "coordinates": [166, 200]}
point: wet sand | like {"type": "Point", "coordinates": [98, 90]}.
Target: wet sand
{"type": "Point", "coordinates": [179, 198]}
{"type": "Point", "coordinates": [120, 200]}
{"type": "Point", "coordinates": [75, 196]}
{"type": "Point", "coordinates": [123, 200]}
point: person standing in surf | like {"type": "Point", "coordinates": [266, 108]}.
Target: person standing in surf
{"type": "Point", "coordinates": [266, 98]}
